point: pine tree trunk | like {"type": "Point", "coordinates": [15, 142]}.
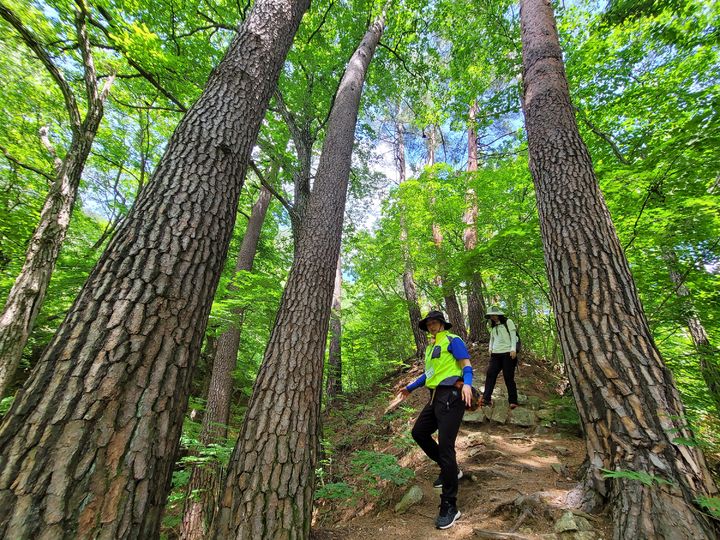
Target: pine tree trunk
{"type": "Point", "coordinates": [475, 302]}
{"type": "Point", "coordinates": [628, 403]}
{"type": "Point", "coordinates": [476, 313]}
{"type": "Point", "coordinates": [202, 487]}
{"type": "Point", "coordinates": [28, 292]}
{"type": "Point", "coordinates": [414, 310]}
{"type": "Point", "coordinates": [334, 380]}
{"type": "Point", "coordinates": [452, 306]}
{"type": "Point", "coordinates": [89, 443]}
{"type": "Point", "coordinates": [708, 355]}
{"type": "Point", "coordinates": [454, 313]}
{"type": "Point", "coordinates": [408, 275]}
{"type": "Point", "coordinates": [269, 489]}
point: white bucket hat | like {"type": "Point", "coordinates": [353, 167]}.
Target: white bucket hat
{"type": "Point", "coordinates": [494, 310]}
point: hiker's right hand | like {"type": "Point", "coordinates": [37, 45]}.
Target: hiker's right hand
{"type": "Point", "coordinates": [513, 354]}
{"type": "Point", "coordinates": [404, 393]}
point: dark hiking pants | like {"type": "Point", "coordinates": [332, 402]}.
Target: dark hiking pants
{"type": "Point", "coordinates": [443, 414]}
{"type": "Point", "coordinates": [501, 362]}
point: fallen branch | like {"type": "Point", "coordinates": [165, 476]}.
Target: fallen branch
{"type": "Point", "coordinates": [494, 535]}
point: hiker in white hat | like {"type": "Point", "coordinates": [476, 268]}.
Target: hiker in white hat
{"type": "Point", "coordinates": [503, 356]}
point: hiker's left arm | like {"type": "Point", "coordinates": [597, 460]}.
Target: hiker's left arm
{"type": "Point", "coordinates": [513, 338]}
{"type": "Point", "coordinates": [467, 372]}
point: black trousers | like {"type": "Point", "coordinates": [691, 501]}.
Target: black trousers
{"type": "Point", "coordinates": [501, 362]}
{"type": "Point", "coordinates": [443, 414]}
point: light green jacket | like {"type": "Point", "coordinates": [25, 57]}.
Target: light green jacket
{"type": "Point", "coordinates": [503, 340]}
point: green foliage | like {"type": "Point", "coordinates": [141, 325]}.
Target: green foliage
{"type": "Point", "coordinates": [210, 455]}
{"type": "Point", "coordinates": [5, 404]}
{"type": "Point", "coordinates": [565, 412]}
{"type": "Point", "coordinates": [644, 80]}
{"type": "Point", "coordinates": [335, 491]}
{"type": "Point", "coordinates": [378, 466]}
{"type": "Point", "coordinates": [403, 412]}
{"type": "Point", "coordinates": [640, 476]}
{"type": "Point", "coordinates": [711, 504]}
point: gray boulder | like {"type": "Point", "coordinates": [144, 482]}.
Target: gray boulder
{"type": "Point", "coordinates": [570, 523]}
{"type": "Point", "coordinates": [413, 496]}
{"type": "Point", "coordinates": [499, 412]}
{"type": "Point", "coordinates": [475, 417]}
{"type": "Point", "coordinates": [522, 417]}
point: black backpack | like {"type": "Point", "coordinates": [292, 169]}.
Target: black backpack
{"type": "Point", "coordinates": [517, 343]}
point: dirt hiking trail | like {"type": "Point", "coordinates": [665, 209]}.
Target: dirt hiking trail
{"type": "Point", "coordinates": [520, 467]}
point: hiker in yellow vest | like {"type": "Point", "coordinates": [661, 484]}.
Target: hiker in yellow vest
{"type": "Point", "coordinates": [448, 375]}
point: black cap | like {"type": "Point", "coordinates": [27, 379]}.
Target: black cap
{"type": "Point", "coordinates": [438, 316]}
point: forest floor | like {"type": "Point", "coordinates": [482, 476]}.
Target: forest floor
{"type": "Point", "coordinates": [518, 481]}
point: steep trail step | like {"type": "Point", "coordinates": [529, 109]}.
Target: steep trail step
{"type": "Point", "coordinates": [519, 468]}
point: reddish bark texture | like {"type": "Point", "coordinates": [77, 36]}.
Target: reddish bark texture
{"type": "Point", "coordinates": [89, 443]}
{"type": "Point", "coordinates": [408, 275]}
{"type": "Point", "coordinates": [199, 507]}
{"type": "Point", "coordinates": [334, 379]}
{"type": "Point", "coordinates": [629, 406]}
{"type": "Point", "coordinates": [475, 301]}
{"type": "Point", "coordinates": [269, 489]}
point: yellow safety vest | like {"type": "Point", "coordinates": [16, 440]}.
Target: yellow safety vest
{"type": "Point", "coordinates": [444, 364]}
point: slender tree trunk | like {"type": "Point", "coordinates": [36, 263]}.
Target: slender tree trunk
{"type": "Point", "coordinates": [334, 380]}
{"type": "Point", "coordinates": [304, 137]}
{"type": "Point", "coordinates": [408, 275]}
{"type": "Point", "coordinates": [476, 311]}
{"type": "Point", "coordinates": [414, 310]}
{"type": "Point", "coordinates": [431, 144]}
{"type": "Point", "coordinates": [203, 484]}
{"type": "Point", "coordinates": [89, 442]}
{"type": "Point", "coordinates": [269, 489]}
{"type": "Point", "coordinates": [708, 355]}
{"type": "Point", "coordinates": [454, 312]}
{"type": "Point", "coordinates": [28, 292]}
{"type": "Point", "coordinates": [629, 406]}
{"type": "Point", "coordinates": [475, 302]}
{"type": "Point", "coordinates": [452, 306]}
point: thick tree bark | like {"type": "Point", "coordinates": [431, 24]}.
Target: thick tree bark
{"type": "Point", "coordinates": [475, 302]}
{"type": "Point", "coordinates": [89, 443]}
{"type": "Point", "coordinates": [708, 355]}
{"type": "Point", "coordinates": [409, 287]}
{"type": "Point", "coordinates": [629, 406]}
{"type": "Point", "coordinates": [454, 312]}
{"type": "Point", "coordinates": [28, 292]}
{"type": "Point", "coordinates": [476, 311]}
{"type": "Point", "coordinates": [202, 487]}
{"type": "Point", "coordinates": [334, 379]}
{"type": "Point", "coordinates": [269, 489]}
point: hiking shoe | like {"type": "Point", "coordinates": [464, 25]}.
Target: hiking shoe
{"type": "Point", "coordinates": [438, 481]}
{"type": "Point", "coordinates": [484, 403]}
{"type": "Point", "coordinates": [447, 517]}
{"type": "Point", "coordinates": [513, 405]}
